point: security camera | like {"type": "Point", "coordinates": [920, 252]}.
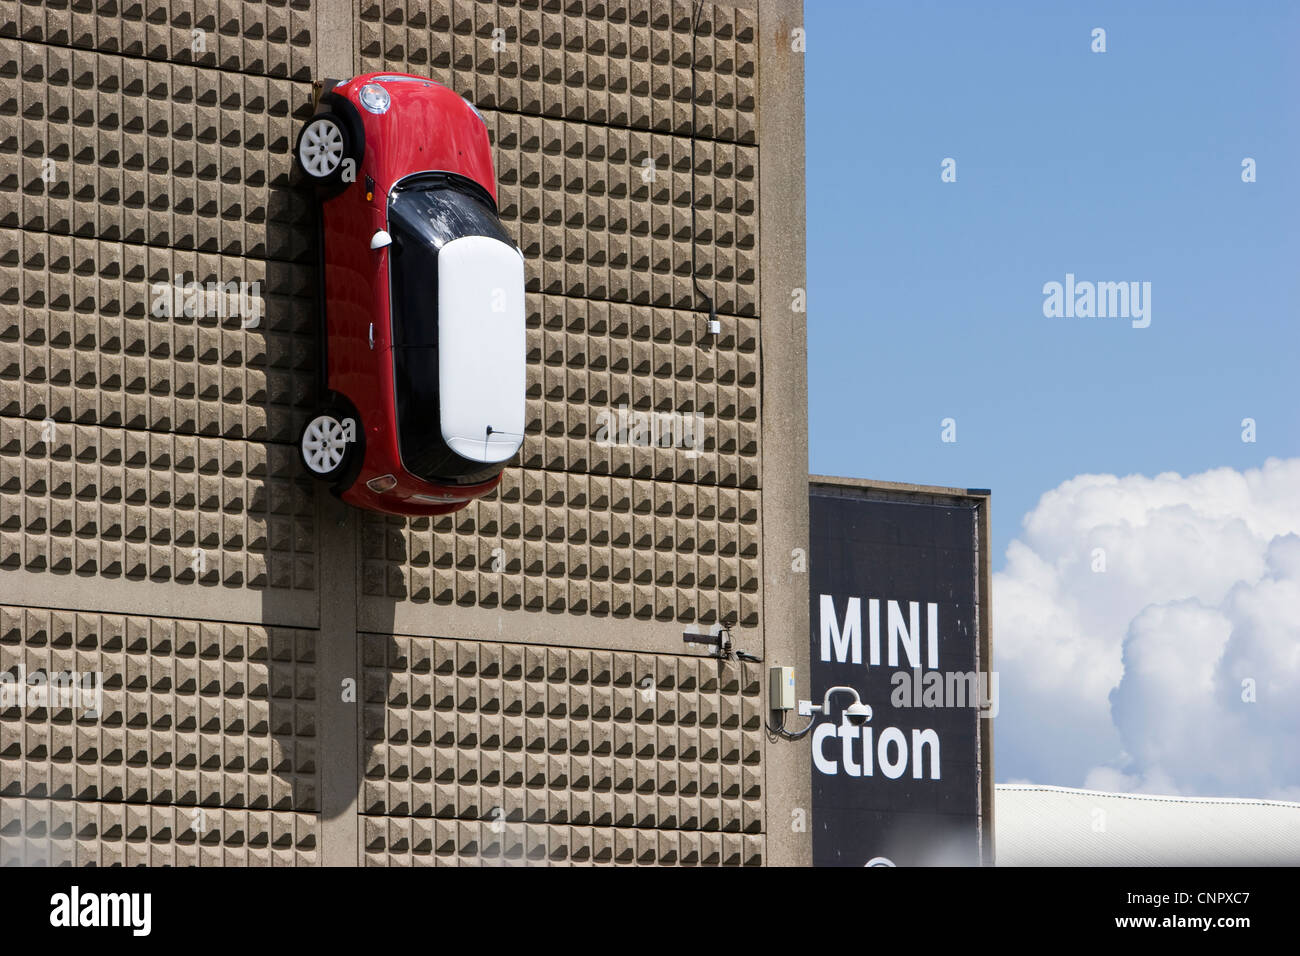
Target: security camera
{"type": "Point", "coordinates": [858, 714]}
{"type": "Point", "coordinates": [719, 638]}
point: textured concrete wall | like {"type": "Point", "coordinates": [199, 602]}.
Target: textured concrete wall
{"type": "Point", "coordinates": [289, 681]}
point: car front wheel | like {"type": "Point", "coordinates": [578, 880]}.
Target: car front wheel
{"type": "Point", "coordinates": [327, 444]}
{"type": "Point", "coordinates": [323, 146]}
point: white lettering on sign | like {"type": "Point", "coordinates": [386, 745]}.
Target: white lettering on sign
{"type": "Point", "coordinates": [844, 639]}
{"type": "Point", "coordinates": [911, 640]}
{"type": "Point", "coordinates": [859, 755]}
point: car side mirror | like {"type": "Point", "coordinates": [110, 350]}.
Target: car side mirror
{"type": "Point", "coordinates": [380, 239]}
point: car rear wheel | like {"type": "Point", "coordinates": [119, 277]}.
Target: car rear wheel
{"type": "Point", "coordinates": [327, 444]}
{"type": "Point", "coordinates": [323, 146]}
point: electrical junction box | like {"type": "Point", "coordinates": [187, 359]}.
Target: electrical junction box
{"type": "Point", "coordinates": [781, 683]}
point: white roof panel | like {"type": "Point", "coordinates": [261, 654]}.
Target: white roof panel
{"type": "Point", "coordinates": [1057, 826]}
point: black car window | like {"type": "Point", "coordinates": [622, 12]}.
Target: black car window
{"type": "Point", "coordinates": [424, 214]}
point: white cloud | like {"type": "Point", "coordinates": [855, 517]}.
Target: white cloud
{"type": "Point", "coordinates": [1131, 678]}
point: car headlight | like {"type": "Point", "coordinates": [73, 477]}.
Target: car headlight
{"type": "Point", "coordinates": [374, 98]}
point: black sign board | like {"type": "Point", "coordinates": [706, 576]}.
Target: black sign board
{"type": "Point", "coordinates": [895, 591]}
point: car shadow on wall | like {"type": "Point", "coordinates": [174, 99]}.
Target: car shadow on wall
{"type": "Point", "coordinates": [313, 686]}
{"type": "Point", "coordinates": [319, 681]}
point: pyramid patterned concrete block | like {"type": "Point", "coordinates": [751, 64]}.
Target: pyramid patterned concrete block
{"type": "Point", "coordinates": [396, 841]}
{"type": "Point", "coordinates": [605, 213]}
{"type": "Point", "coordinates": [82, 833]}
{"type": "Point", "coordinates": [623, 64]}
{"type": "Point", "coordinates": [260, 37]}
{"type": "Point", "coordinates": [140, 505]}
{"type": "Point", "coordinates": [97, 333]}
{"type": "Point", "coordinates": [141, 151]}
{"type": "Point", "coordinates": [159, 711]}
{"type": "Point", "coordinates": [530, 753]}
{"type": "Point", "coordinates": [695, 549]}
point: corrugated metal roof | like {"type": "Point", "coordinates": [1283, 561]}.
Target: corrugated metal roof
{"type": "Point", "coordinates": [1058, 826]}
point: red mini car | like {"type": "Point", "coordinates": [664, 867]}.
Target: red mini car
{"type": "Point", "coordinates": [423, 356]}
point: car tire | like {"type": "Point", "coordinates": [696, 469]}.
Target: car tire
{"type": "Point", "coordinates": [328, 444]}
{"type": "Point", "coordinates": [325, 145]}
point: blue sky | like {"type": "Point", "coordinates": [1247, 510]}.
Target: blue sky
{"type": "Point", "coordinates": [925, 298]}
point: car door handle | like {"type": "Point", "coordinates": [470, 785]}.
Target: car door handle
{"type": "Point", "coordinates": [372, 336]}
